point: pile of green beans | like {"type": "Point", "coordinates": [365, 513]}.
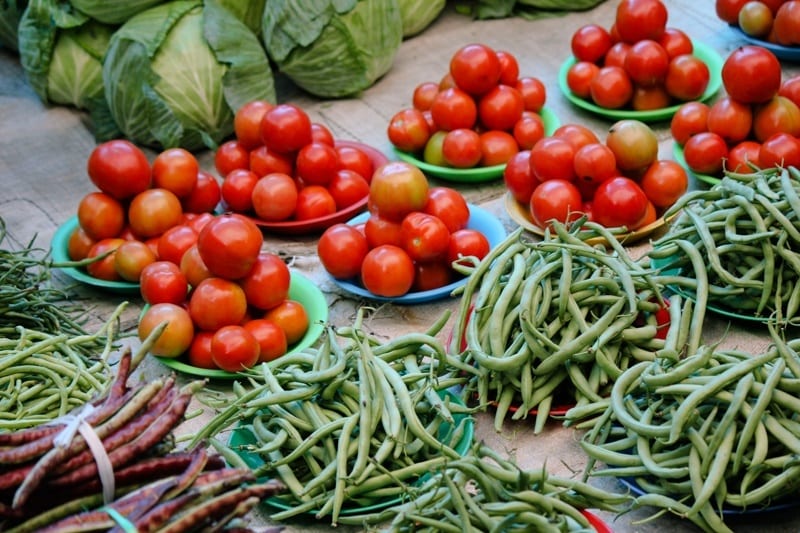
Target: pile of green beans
{"type": "Point", "coordinates": [351, 423]}
{"type": "Point", "coordinates": [737, 244]}
{"type": "Point", "coordinates": [484, 491]}
{"type": "Point", "coordinates": [555, 321]}
{"type": "Point", "coordinates": [716, 429]}
{"type": "Point", "coordinates": [45, 375]}
{"type": "Point", "coordinates": [27, 296]}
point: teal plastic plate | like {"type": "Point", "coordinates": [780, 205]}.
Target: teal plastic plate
{"type": "Point", "coordinates": [475, 174]}
{"type": "Point", "coordinates": [302, 290]}
{"type": "Point", "coordinates": [241, 437]}
{"type": "Point", "coordinates": [479, 219]}
{"type": "Point", "coordinates": [701, 50]}
{"type": "Point", "coordinates": [59, 252]}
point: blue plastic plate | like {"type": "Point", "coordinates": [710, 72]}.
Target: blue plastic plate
{"type": "Point", "coordinates": [479, 219]}
{"type": "Point", "coordinates": [789, 53]}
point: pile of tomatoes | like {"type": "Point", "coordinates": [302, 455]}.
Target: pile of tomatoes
{"type": "Point", "coordinates": [479, 114]}
{"type": "Point", "coordinates": [139, 212]}
{"type": "Point", "coordinates": [282, 166]}
{"type": "Point", "coordinates": [226, 304]}
{"type": "Point", "coordinates": [756, 123]}
{"type": "Point", "coordinates": [639, 63]}
{"type": "Point", "coordinates": [617, 182]}
{"type": "Point", "coordinates": [410, 240]}
{"type": "Point", "coordinates": [776, 21]}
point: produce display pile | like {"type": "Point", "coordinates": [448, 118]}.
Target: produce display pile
{"type": "Point", "coordinates": [244, 378]}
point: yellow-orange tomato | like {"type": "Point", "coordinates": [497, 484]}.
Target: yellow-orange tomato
{"type": "Point", "coordinates": [178, 334]}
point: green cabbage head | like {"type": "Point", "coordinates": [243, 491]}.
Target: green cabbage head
{"type": "Point", "coordinates": [176, 73]}
{"type": "Point", "coordinates": [419, 14]}
{"type": "Point", "coordinates": [332, 48]}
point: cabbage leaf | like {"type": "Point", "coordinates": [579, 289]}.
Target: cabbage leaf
{"type": "Point", "coordinates": [176, 73]}
{"type": "Point", "coordinates": [113, 11]}
{"type": "Point", "coordinates": [419, 14]}
{"type": "Point", "coordinates": [333, 48]}
{"type": "Point", "coordinates": [10, 15]}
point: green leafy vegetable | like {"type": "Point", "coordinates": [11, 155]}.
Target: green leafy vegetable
{"type": "Point", "coordinates": [333, 48]}
{"type": "Point", "coordinates": [10, 14]}
{"type": "Point", "coordinates": [419, 14]}
{"type": "Point", "coordinates": [112, 11]}
{"type": "Point", "coordinates": [176, 73]}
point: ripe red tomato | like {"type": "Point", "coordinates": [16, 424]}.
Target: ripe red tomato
{"type": "Point", "coordinates": [104, 268]}
{"type": "Point", "coordinates": [676, 42]}
{"type": "Point", "coordinates": [751, 74]}
{"type": "Point", "coordinates": [270, 337]}
{"type": "Point", "coordinates": [780, 149]}
{"type": "Point", "coordinates": [425, 237]}
{"type": "Point", "coordinates": [619, 202]}
{"type": "Point", "coordinates": [518, 177]}
{"type": "Point", "coordinates": [321, 134]}
{"type": "Point", "coordinates": [247, 123]}
{"type": "Point", "coordinates": [380, 230]}
{"type": "Point", "coordinates": [341, 249]}
{"type": "Point", "coordinates": [552, 158]}
{"type": "Point", "coordinates": [229, 156]}
{"type": "Point", "coordinates": [743, 156]}
{"type": "Point", "coordinates": [292, 318]}
{"type": "Point", "coordinates": [348, 188]}
{"type": "Point", "coordinates": [647, 63]}
{"type": "Point", "coordinates": [590, 43]}
{"type": "Point", "coordinates": [101, 215]}
{"type": "Point", "coordinates": [467, 242]}
{"type": "Point", "coordinates": [705, 152]}
{"type": "Point", "coordinates": [577, 135]}
{"type": "Point", "coordinates": [778, 115]}
{"type": "Point", "coordinates": [199, 354]}
{"type": "Point", "coordinates": [357, 160]}
{"type": "Point", "coordinates": [475, 68]}
{"type": "Point", "coordinates": [130, 259]}
{"type": "Point", "coordinates": [314, 201]}
{"type": "Point", "coordinates": [388, 271]}
{"type": "Point", "coordinates": [509, 68]}
{"type": "Point", "coordinates": [229, 245]}
{"type": "Point", "coordinates": [730, 119]}
{"type": "Point", "coordinates": [237, 190]}
{"type": "Point", "coordinates": [534, 93]}
{"type": "Point", "coordinates": [728, 10]}
{"type": "Point", "coordinates": [687, 77]}
{"type": "Point", "coordinates": [397, 188]}
{"type": "Point", "coordinates": [461, 148]}
{"type": "Point", "coordinates": [786, 23]}
{"type": "Point", "coordinates": [199, 221]}
{"type": "Point", "coordinates": [317, 163]}
{"type": "Point", "coordinates": [615, 57]}
{"type": "Point", "coordinates": [790, 88]}
{"type": "Point", "coordinates": [454, 108]}
{"type": "Point", "coordinates": [264, 161]}
{"type": "Point", "coordinates": [634, 144]}
{"type": "Point", "coordinates": [217, 302]}
{"type": "Point", "coordinates": [79, 244]}
{"type": "Point", "coordinates": [690, 118]}
{"type": "Point", "coordinates": [154, 211]}
{"type": "Point", "coordinates": [423, 95]}
{"type": "Point", "coordinates": [175, 169]}
{"type": "Point", "coordinates": [555, 199]}
{"type": "Point", "coordinates": [408, 130]}
{"type": "Point", "coordinates": [178, 334]}
{"type": "Point", "coordinates": [274, 197]}
{"type": "Point", "coordinates": [449, 206]}
{"type": "Point", "coordinates": [267, 283]}
{"type": "Point", "coordinates": [234, 349]}
{"type": "Point", "coordinates": [579, 78]}
{"type": "Point", "coordinates": [664, 182]}
{"type": "Point", "coordinates": [205, 196]}
{"type": "Point", "coordinates": [611, 88]}
{"type": "Point", "coordinates": [528, 130]}
{"type": "Point", "coordinates": [430, 275]}
{"type": "Point", "coordinates": [640, 19]}
{"type": "Point", "coordinates": [500, 108]}
{"type": "Point", "coordinates": [193, 267]}
{"type": "Point", "coordinates": [174, 242]}
{"type": "Point", "coordinates": [163, 282]}
{"type": "Point", "coordinates": [594, 163]}
{"type": "Point", "coordinates": [119, 168]}
{"type": "Point", "coordinates": [285, 128]}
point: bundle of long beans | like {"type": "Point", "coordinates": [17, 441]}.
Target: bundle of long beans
{"type": "Point", "coordinates": [349, 425]}
{"type": "Point", "coordinates": [712, 431]}
{"type": "Point", "coordinates": [736, 245]}
{"type": "Point", "coordinates": [555, 321]}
